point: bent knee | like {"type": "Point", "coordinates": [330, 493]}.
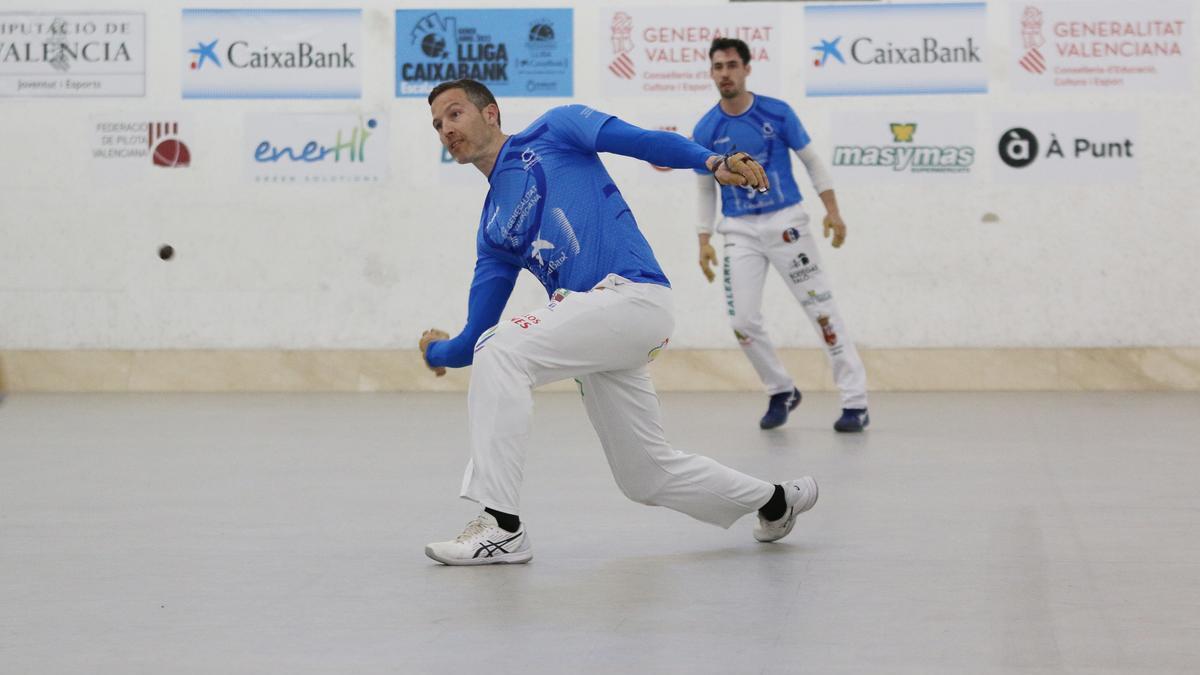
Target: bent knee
{"type": "Point", "coordinates": [642, 492]}
{"type": "Point", "coordinates": [745, 327]}
{"type": "Point", "coordinates": [642, 495]}
{"type": "Point", "coordinates": [498, 354]}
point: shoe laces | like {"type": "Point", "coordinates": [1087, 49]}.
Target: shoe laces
{"type": "Point", "coordinates": [782, 400]}
{"type": "Point", "coordinates": [474, 528]}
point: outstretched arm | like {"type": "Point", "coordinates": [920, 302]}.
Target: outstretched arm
{"type": "Point", "coordinates": [493, 283]}
{"type": "Point", "coordinates": [664, 148]}
{"type": "Point", "coordinates": [660, 148]}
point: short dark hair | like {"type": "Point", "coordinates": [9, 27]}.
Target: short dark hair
{"type": "Point", "coordinates": [720, 44]}
{"type": "Point", "coordinates": [477, 93]}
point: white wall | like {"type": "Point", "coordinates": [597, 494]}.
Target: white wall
{"type": "Point", "coordinates": [371, 266]}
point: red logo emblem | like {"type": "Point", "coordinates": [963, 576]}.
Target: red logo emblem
{"type": "Point", "coordinates": [622, 43]}
{"type": "Point", "coordinates": [827, 330]}
{"type": "Point", "coordinates": [1031, 34]}
{"type": "Point", "coordinates": [165, 147]}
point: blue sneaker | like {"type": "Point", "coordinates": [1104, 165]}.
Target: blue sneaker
{"type": "Point", "coordinates": [852, 419]}
{"type": "Point", "coordinates": [779, 407]}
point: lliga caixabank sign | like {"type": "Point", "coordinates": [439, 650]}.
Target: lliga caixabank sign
{"type": "Point", "coordinates": [272, 53]}
{"type": "Point", "coordinates": [901, 49]}
{"type": "Point", "coordinates": [515, 52]}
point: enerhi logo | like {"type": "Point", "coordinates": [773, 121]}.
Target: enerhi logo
{"type": "Point", "coordinates": [349, 145]}
{"type": "Point", "coordinates": [303, 56]}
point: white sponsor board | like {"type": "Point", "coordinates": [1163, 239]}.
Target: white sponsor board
{"type": "Point", "coordinates": [1102, 45]}
{"type": "Point", "coordinates": [272, 53]}
{"type": "Point", "coordinates": [72, 54]}
{"type": "Point", "coordinates": [316, 148]}
{"type": "Point", "coordinates": [664, 51]}
{"type": "Point", "coordinates": [1065, 148]}
{"type": "Point", "coordinates": [877, 49]}
{"type": "Point", "coordinates": [871, 147]}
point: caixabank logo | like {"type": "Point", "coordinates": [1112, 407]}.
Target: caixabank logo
{"type": "Point", "coordinates": [241, 54]}
{"type": "Point", "coordinates": [864, 51]}
{"type": "Point", "coordinates": [513, 52]}
{"type": "Point", "coordinates": [445, 59]}
{"type": "Point", "coordinates": [271, 53]}
{"type": "Point", "coordinates": [920, 48]}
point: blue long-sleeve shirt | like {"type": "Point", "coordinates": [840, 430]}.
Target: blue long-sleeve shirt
{"type": "Point", "coordinates": [554, 210]}
{"type": "Point", "coordinates": [766, 131]}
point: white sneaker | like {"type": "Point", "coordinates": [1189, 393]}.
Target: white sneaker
{"type": "Point", "coordinates": [484, 542]}
{"type": "Point", "coordinates": [800, 496]}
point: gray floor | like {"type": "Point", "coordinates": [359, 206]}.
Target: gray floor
{"type": "Point", "coordinates": [988, 533]}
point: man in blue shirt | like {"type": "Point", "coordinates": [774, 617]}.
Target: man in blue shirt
{"type": "Point", "coordinates": [553, 209]}
{"type": "Point", "coordinates": [771, 227]}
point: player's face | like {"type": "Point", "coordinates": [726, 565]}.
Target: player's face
{"type": "Point", "coordinates": [729, 72]}
{"type": "Point", "coordinates": [463, 129]}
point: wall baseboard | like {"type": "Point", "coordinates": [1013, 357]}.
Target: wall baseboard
{"type": "Point", "coordinates": [1068, 369]}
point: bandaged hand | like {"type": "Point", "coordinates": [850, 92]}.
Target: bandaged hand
{"type": "Point", "coordinates": [739, 169]}
{"type": "Point", "coordinates": [834, 224]}
{"type": "Point", "coordinates": [708, 258]}
{"type": "Point", "coordinates": [427, 338]}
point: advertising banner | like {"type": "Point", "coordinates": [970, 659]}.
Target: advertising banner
{"type": "Point", "coordinates": [515, 52]}
{"type": "Point", "coordinates": [316, 148]}
{"type": "Point", "coordinates": [664, 51]}
{"type": "Point", "coordinates": [1066, 148]}
{"type": "Point", "coordinates": [872, 147]}
{"type": "Point", "coordinates": [1102, 45]}
{"type": "Point", "coordinates": [72, 54]}
{"type": "Point", "coordinates": [272, 53]}
{"type": "Point", "coordinates": [900, 49]}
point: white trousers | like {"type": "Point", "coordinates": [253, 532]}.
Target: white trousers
{"type": "Point", "coordinates": [782, 239]}
{"type": "Point", "coordinates": [604, 338]}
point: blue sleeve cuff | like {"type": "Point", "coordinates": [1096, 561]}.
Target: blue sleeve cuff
{"type": "Point", "coordinates": [435, 356]}
{"type": "Point", "coordinates": [493, 283]}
